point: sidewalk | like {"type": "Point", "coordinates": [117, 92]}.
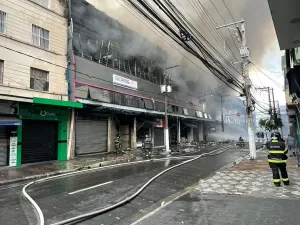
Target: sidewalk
{"type": "Point", "coordinates": [240, 195]}
{"type": "Point", "coordinates": [253, 178]}
{"type": "Point", "coordinates": [10, 175]}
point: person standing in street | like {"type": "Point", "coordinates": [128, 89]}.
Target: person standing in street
{"type": "Point", "coordinates": [277, 159]}
{"type": "Point", "coordinates": [291, 145]}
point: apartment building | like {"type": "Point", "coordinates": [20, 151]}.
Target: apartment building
{"type": "Point", "coordinates": [34, 107]}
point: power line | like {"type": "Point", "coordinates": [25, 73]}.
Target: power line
{"type": "Point", "coordinates": [172, 45]}
{"type": "Point", "coordinates": [275, 82]}
{"type": "Point", "coordinates": [225, 23]}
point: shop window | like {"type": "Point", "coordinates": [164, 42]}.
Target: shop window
{"type": "Point", "coordinates": [39, 79]}
{"type": "Point", "coordinates": [1, 71]}
{"type": "Point", "coordinates": [44, 3]}
{"type": "Point", "coordinates": [2, 22]}
{"type": "Point", "coordinates": [40, 37]}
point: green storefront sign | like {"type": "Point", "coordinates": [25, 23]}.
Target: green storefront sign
{"type": "Point", "coordinates": [49, 113]}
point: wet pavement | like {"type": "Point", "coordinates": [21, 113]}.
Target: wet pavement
{"type": "Point", "coordinates": [45, 169]}
{"type": "Point", "coordinates": [57, 203]}
{"type": "Point", "coordinates": [198, 209]}
{"type": "Point", "coordinates": [241, 195]}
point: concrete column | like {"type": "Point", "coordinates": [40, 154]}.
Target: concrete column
{"type": "Point", "coordinates": [110, 140]}
{"type": "Point", "coordinates": [152, 135]}
{"type": "Point", "coordinates": [190, 134]}
{"type": "Point", "coordinates": [133, 134]}
{"type": "Point", "coordinates": [201, 131]}
{"type": "Point", "coordinates": [178, 131]}
{"type": "Point", "coordinates": [71, 135]}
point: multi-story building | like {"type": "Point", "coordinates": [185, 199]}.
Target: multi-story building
{"type": "Point", "coordinates": [34, 103]}
{"type": "Point", "coordinates": [286, 19]}
{"type": "Point", "coordinates": [118, 78]}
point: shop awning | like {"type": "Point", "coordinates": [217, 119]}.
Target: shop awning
{"type": "Point", "coordinates": [10, 121]}
{"type": "Point", "coordinates": [190, 125]}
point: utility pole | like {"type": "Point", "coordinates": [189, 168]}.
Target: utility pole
{"type": "Point", "coordinates": [269, 98]}
{"type": "Point", "coordinates": [165, 90]}
{"type": "Point", "coordinates": [274, 108]}
{"type": "Point", "coordinates": [167, 145]}
{"type": "Point", "coordinates": [245, 55]}
{"type": "Point", "coordinates": [222, 114]}
{"type": "Point", "coordinates": [270, 103]}
{"type": "Point", "coordinates": [279, 116]}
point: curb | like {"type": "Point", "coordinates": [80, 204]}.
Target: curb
{"type": "Point", "coordinates": [94, 165]}
{"type": "Point", "coordinates": [86, 167]}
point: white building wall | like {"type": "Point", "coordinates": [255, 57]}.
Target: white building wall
{"type": "Point", "coordinates": [19, 53]}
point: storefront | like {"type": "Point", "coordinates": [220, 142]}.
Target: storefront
{"type": "Point", "coordinates": [43, 134]}
{"type": "Point", "coordinates": [8, 133]}
{"type": "Point", "coordinates": [91, 134]}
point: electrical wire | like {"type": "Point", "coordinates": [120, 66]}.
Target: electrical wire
{"type": "Point", "coordinates": [176, 37]}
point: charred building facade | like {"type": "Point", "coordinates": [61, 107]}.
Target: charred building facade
{"type": "Point", "coordinates": [118, 77]}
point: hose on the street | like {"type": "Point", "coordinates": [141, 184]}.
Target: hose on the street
{"type": "Point", "coordinates": [130, 198]}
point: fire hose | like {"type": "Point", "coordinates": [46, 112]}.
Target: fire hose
{"type": "Point", "coordinates": [125, 201]}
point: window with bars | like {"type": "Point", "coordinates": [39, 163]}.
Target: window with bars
{"type": "Point", "coordinates": [39, 79]}
{"type": "Point", "coordinates": [1, 71]}
{"type": "Point", "coordinates": [44, 3]}
{"type": "Point", "coordinates": [2, 22]}
{"type": "Point", "coordinates": [40, 37]}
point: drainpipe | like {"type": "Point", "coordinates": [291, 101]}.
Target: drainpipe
{"type": "Point", "coordinates": [71, 77]}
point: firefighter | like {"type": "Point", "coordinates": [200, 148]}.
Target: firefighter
{"type": "Point", "coordinates": [277, 159]}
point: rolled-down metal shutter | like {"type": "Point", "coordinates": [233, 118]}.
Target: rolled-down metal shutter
{"type": "Point", "coordinates": [3, 146]}
{"type": "Point", "coordinates": [196, 134]}
{"type": "Point", "coordinates": [91, 136]}
{"type": "Point", "coordinates": [158, 136]}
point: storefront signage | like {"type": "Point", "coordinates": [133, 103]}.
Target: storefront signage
{"type": "Point", "coordinates": [161, 123]}
{"type": "Point", "coordinates": [124, 82]}
{"type": "Point", "coordinates": [13, 145]}
{"type": "Point", "coordinates": [46, 113]}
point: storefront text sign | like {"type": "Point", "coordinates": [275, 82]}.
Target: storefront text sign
{"type": "Point", "coordinates": [13, 145]}
{"type": "Point", "coordinates": [124, 82]}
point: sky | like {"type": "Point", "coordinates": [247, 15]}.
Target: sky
{"type": "Point", "coordinates": [260, 33]}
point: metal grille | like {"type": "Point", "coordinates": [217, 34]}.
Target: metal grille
{"type": "Point", "coordinates": [44, 3]}
{"type": "Point", "coordinates": [39, 80]}
{"type": "Point", "coordinates": [2, 22]}
{"type": "Point", "coordinates": [3, 146]}
{"type": "Point", "coordinates": [40, 37]}
{"type": "Point", "coordinates": [92, 46]}
{"type": "Point", "coordinates": [91, 136]}
{"type": "Point", "coordinates": [158, 137]}
{"type": "Point", "coordinates": [1, 71]}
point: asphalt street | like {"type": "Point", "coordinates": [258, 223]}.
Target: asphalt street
{"type": "Point", "coordinates": [81, 193]}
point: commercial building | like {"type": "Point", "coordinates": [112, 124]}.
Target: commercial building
{"type": "Point", "coordinates": [34, 106]}
{"type": "Point", "coordinates": [286, 19]}
{"type": "Point", "coordinates": [118, 78]}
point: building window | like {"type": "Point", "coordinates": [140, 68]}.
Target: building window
{"type": "Point", "coordinates": [44, 3]}
{"type": "Point", "coordinates": [1, 71]}
{"type": "Point", "coordinates": [2, 22]}
{"type": "Point", "coordinates": [39, 79]}
{"type": "Point", "coordinates": [40, 37]}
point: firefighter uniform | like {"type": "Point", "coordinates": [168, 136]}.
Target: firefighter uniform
{"type": "Point", "coordinates": [277, 160]}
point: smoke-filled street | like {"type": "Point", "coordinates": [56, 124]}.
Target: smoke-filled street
{"type": "Point", "coordinates": [132, 112]}
{"type": "Point", "coordinates": [76, 194]}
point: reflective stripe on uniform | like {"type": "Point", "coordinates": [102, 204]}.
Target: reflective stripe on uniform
{"type": "Point", "coordinates": [275, 141]}
{"type": "Point", "coordinates": [285, 179]}
{"type": "Point", "coordinates": [276, 152]}
{"type": "Point", "coordinates": [276, 180]}
{"type": "Point", "coordinates": [286, 150]}
{"type": "Point", "coordinates": [276, 161]}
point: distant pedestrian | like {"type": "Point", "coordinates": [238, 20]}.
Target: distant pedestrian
{"type": "Point", "coordinates": [291, 145]}
{"type": "Point", "coordinates": [277, 159]}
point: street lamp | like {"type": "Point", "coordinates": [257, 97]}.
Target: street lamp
{"type": "Point", "coordinates": [166, 90]}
